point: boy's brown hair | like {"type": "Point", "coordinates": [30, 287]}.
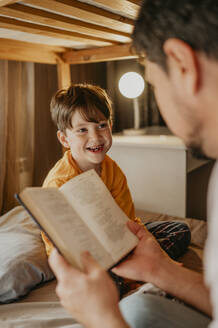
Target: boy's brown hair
{"type": "Point", "coordinates": [90, 100]}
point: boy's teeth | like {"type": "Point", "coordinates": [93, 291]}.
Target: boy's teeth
{"type": "Point", "coordinates": [95, 148]}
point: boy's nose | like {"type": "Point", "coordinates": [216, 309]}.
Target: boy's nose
{"type": "Point", "coordinates": [95, 134]}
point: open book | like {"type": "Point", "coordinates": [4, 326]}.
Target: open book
{"type": "Point", "coordinates": [81, 215]}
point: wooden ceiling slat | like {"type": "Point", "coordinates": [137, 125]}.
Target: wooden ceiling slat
{"type": "Point", "coordinates": [136, 2]}
{"type": "Point", "coordinates": [125, 6]}
{"type": "Point", "coordinates": [14, 24]}
{"type": "Point", "coordinates": [90, 9]}
{"type": "Point", "coordinates": [32, 46]}
{"type": "Point", "coordinates": [103, 25]}
{"type": "Point", "coordinates": [54, 20]}
{"type": "Point", "coordinates": [98, 54]}
{"type": "Point", "coordinates": [7, 2]}
{"type": "Point", "coordinates": [25, 51]}
{"type": "Point", "coordinates": [91, 14]}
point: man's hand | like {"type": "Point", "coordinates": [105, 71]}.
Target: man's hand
{"type": "Point", "coordinates": [146, 260]}
{"type": "Point", "coordinates": [149, 263]}
{"type": "Point", "coordinates": [89, 295]}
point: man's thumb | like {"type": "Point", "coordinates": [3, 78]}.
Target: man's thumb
{"type": "Point", "coordinates": [88, 262]}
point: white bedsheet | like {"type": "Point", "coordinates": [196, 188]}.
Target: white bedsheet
{"type": "Point", "coordinates": [40, 309]}
{"type": "Point", "coordinates": [35, 315]}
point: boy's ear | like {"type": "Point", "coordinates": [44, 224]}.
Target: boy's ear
{"type": "Point", "coordinates": [63, 139]}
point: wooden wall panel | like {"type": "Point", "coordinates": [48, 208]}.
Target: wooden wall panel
{"type": "Point", "coordinates": [94, 73]}
{"type": "Point", "coordinates": [197, 185]}
{"type": "Point", "coordinates": [20, 133]}
{"type": "Point", "coordinates": [26, 126]}
{"type": "Point", "coordinates": [14, 104]}
{"type": "Point", "coordinates": [47, 148]}
{"type": "Point", "coordinates": [3, 125]}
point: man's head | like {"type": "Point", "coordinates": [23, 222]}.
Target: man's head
{"type": "Point", "coordinates": [82, 114]}
{"type": "Point", "coordinates": [195, 22]}
{"type": "Point", "coordinates": [179, 40]}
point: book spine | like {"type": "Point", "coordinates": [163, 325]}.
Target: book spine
{"type": "Point", "coordinates": [35, 220]}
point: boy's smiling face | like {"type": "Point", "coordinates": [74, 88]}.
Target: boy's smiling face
{"type": "Point", "coordinates": [88, 141]}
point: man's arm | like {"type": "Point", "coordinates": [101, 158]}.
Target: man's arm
{"type": "Point", "coordinates": [150, 263]}
{"type": "Point", "coordinates": [90, 296]}
{"type": "Point", "coordinates": [186, 285]}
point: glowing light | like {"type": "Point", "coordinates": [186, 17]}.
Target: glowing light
{"type": "Point", "coordinates": [131, 85]}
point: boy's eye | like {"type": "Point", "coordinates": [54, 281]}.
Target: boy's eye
{"type": "Point", "coordinates": [103, 125]}
{"type": "Point", "coordinates": [82, 130]}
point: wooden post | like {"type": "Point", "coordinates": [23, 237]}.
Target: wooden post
{"type": "Point", "coordinates": [64, 76]}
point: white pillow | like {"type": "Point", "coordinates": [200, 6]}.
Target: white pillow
{"type": "Point", "coordinates": [23, 260]}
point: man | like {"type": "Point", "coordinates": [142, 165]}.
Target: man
{"type": "Point", "coordinates": [180, 42]}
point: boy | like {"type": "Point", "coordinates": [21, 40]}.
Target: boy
{"type": "Point", "coordinates": [83, 115]}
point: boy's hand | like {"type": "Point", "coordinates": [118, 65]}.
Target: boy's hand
{"type": "Point", "coordinates": [89, 295]}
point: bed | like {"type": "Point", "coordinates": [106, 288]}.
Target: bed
{"type": "Point", "coordinates": [59, 32]}
{"type": "Point", "coordinates": [27, 285]}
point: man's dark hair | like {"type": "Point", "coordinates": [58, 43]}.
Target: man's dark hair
{"type": "Point", "coordinates": [192, 21]}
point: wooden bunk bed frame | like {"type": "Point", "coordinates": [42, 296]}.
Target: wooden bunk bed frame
{"type": "Point", "coordinates": [66, 32]}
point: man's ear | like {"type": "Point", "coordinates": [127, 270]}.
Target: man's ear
{"type": "Point", "coordinates": [183, 65]}
{"type": "Point", "coordinates": [63, 139]}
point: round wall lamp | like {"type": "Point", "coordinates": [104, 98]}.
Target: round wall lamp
{"type": "Point", "coordinates": [131, 85]}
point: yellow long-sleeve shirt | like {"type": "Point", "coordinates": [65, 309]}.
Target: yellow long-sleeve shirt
{"type": "Point", "coordinates": [111, 174]}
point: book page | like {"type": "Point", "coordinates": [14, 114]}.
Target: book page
{"type": "Point", "coordinates": [63, 225]}
{"type": "Point", "coordinates": [96, 206]}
